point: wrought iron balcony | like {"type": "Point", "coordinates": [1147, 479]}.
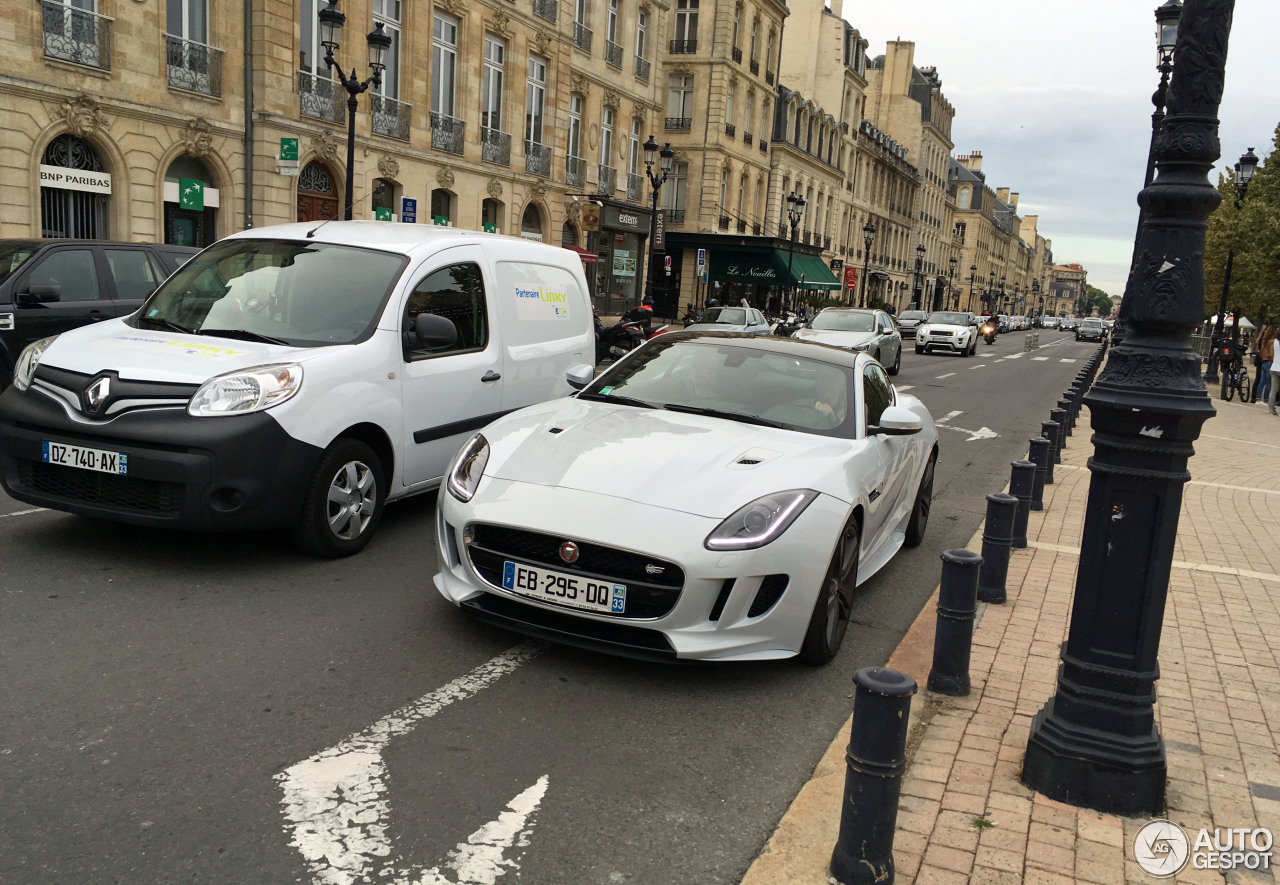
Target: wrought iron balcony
{"type": "Point", "coordinates": [755, 66]}
{"type": "Point", "coordinates": [317, 98]}
{"type": "Point", "coordinates": [768, 77]}
{"type": "Point", "coordinates": [808, 237]}
{"type": "Point", "coordinates": [76, 35]}
{"type": "Point", "coordinates": [495, 146]}
{"type": "Point", "coordinates": [193, 66]}
{"type": "Point", "coordinates": [635, 188]}
{"type": "Point", "coordinates": [730, 130]}
{"type": "Point", "coordinates": [546, 9]}
{"type": "Point", "coordinates": [755, 230]}
{"type": "Point", "coordinates": [575, 171]}
{"type": "Point", "coordinates": [724, 222]}
{"type": "Point", "coordinates": [675, 216]}
{"type": "Point", "coordinates": [582, 36]}
{"type": "Point", "coordinates": [764, 146]}
{"type": "Point", "coordinates": [447, 133]}
{"type": "Point", "coordinates": [826, 243]}
{"type": "Point", "coordinates": [607, 182]}
{"type": "Point", "coordinates": [742, 226]}
{"type": "Point", "coordinates": [747, 138]}
{"type": "Point", "coordinates": [537, 159]}
{"type": "Point", "coordinates": [737, 55]}
{"type": "Point", "coordinates": [391, 117]}
{"type": "Point", "coordinates": [613, 54]}
{"type": "Point", "coordinates": [684, 47]}
{"type": "Point", "coordinates": [782, 230]}
{"type": "Point", "coordinates": [642, 69]}
{"type": "Point", "coordinates": [679, 123]}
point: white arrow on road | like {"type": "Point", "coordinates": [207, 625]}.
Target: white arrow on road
{"type": "Point", "coordinates": [980, 433]}
{"type": "Point", "coordinates": [337, 811]}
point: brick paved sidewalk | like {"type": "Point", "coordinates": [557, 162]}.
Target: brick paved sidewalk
{"type": "Point", "coordinates": [1218, 695]}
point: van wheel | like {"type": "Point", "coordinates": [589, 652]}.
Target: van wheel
{"type": "Point", "coordinates": [344, 501]}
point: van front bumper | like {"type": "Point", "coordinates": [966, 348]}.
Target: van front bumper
{"type": "Point", "coordinates": [207, 474]}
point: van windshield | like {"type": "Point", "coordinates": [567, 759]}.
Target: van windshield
{"type": "Point", "coordinates": [284, 291]}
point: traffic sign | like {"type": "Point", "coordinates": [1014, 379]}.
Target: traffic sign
{"type": "Point", "coordinates": [851, 277]}
{"type": "Point", "coordinates": [408, 210]}
{"type": "Point", "coordinates": [702, 259]}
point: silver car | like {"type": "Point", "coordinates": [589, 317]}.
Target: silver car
{"type": "Point", "coordinates": [731, 319]}
{"type": "Point", "coordinates": [872, 331]}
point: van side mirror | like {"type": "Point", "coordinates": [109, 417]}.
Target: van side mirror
{"type": "Point", "coordinates": [580, 376]}
{"type": "Point", "coordinates": [896, 421]}
{"type": "Point", "coordinates": [434, 332]}
{"type": "Point", "coordinates": [40, 295]}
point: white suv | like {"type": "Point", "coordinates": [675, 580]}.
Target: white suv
{"type": "Point", "coordinates": [949, 330]}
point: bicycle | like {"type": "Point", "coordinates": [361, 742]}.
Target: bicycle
{"type": "Point", "coordinates": [1235, 377]}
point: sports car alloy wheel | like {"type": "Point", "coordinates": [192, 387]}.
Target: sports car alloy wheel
{"type": "Point", "coordinates": [835, 603]}
{"type": "Point", "coordinates": [920, 511]}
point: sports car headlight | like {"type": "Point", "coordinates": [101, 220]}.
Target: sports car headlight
{"type": "Point", "coordinates": [248, 390]}
{"type": "Point", "coordinates": [28, 360]}
{"type": "Point", "coordinates": [760, 521]}
{"type": "Point", "coordinates": [468, 467]}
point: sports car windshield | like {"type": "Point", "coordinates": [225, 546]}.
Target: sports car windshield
{"type": "Point", "coordinates": [754, 386]}
{"type": "Point", "coordinates": [843, 321]}
{"type": "Point", "coordinates": [277, 291]}
{"type": "Point", "coordinates": [729, 316]}
{"type": "Point", "coordinates": [947, 318]}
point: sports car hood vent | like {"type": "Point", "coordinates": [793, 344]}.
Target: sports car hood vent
{"type": "Point", "coordinates": [753, 458]}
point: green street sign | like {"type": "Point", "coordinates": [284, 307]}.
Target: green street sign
{"type": "Point", "coordinates": [190, 194]}
{"type": "Point", "coordinates": [490, 228]}
{"type": "Point", "coordinates": [289, 149]}
{"type": "Point", "coordinates": [442, 220]}
{"type": "Point", "coordinates": [381, 214]}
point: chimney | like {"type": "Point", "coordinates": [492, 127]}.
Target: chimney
{"type": "Point", "coordinates": [1013, 200]}
{"type": "Point", "coordinates": [1002, 194]}
{"type": "Point", "coordinates": [836, 7]}
{"type": "Point", "coordinates": [972, 162]}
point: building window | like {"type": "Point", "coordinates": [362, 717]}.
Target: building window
{"type": "Point", "coordinates": [444, 63]}
{"type": "Point", "coordinates": [764, 119]}
{"type": "Point", "coordinates": [575, 126]}
{"type": "Point", "coordinates": [728, 101]}
{"type": "Point", "coordinates": [768, 53]}
{"type": "Point", "coordinates": [679, 98]}
{"type": "Point", "coordinates": [633, 149]}
{"type": "Point", "coordinates": [490, 216]}
{"type": "Point", "coordinates": [188, 19]}
{"type": "Point", "coordinates": [962, 198]}
{"type": "Point", "coordinates": [642, 27]}
{"type": "Point", "coordinates": [606, 136]}
{"type": "Point", "coordinates": [495, 55]}
{"type": "Point", "coordinates": [724, 191]}
{"type": "Point", "coordinates": [611, 28]}
{"type": "Point", "coordinates": [755, 38]}
{"type": "Point", "coordinates": [388, 12]}
{"type": "Point", "coordinates": [310, 52]}
{"type": "Point", "coordinates": [69, 213]}
{"type": "Point", "coordinates": [673, 192]}
{"type": "Point", "coordinates": [737, 15]}
{"type": "Point", "coordinates": [531, 224]}
{"type": "Point", "coordinates": [536, 101]}
{"type": "Point", "coordinates": [189, 222]}
{"type": "Point", "coordinates": [686, 21]}
{"type": "Point", "coordinates": [442, 207]}
{"type": "Point", "coordinates": [960, 230]}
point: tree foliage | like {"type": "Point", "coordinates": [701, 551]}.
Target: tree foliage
{"type": "Point", "coordinates": [1097, 300]}
{"type": "Point", "coordinates": [1252, 233]}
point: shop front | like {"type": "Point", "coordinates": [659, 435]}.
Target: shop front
{"type": "Point", "coordinates": [619, 247]}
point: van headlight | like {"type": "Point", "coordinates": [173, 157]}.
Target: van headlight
{"type": "Point", "coordinates": [468, 467]}
{"type": "Point", "coordinates": [25, 370]}
{"type": "Point", "coordinates": [761, 521]}
{"type": "Point", "coordinates": [248, 390]}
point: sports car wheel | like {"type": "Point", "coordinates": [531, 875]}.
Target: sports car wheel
{"type": "Point", "coordinates": [897, 363]}
{"type": "Point", "coordinates": [831, 612]}
{"type": "Point", "coordinates": [920, 511]}
{"type": "Point", "coordinates": [344, 501]}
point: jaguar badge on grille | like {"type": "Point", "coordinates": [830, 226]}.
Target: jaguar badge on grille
{"type": "Point", "coordinates": [569, 551]}
{"type": "Point", "coordinates": [652, 569]}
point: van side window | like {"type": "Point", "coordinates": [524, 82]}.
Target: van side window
{"type": "Point", "coordinates": [71, 271]}
{"type": "Point", "coordinates": [457, 294]}
{"type": "Point", "coordinates": [876, 392]}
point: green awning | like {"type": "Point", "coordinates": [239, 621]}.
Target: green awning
{"type": "Point", "coordinates": [768, 267]}
{"type": "Point", "coordinates": [810, 273]}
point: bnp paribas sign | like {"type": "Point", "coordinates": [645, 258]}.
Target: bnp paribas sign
{"type": "Point", "coordinates": [75, 179]}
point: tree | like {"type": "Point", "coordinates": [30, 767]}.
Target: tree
{"type": "Point", "coordinates": [1252, 232]}
{"type": "Point", "coordinates": [1096, 299]}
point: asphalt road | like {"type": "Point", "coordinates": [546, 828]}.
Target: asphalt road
{"type": "Point", "coordinates": [154, 685]}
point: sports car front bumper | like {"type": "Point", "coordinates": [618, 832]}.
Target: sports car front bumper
{"type": "Point", "coordinates": [742, 605]}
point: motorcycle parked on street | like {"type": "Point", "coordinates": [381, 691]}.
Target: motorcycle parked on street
{"type": "Point", "coordinates": [621, 338]}
{"type": "Point", "coordinates": [787, 324]}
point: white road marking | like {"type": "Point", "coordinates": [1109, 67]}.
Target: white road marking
{"type": "Point", "coordinates": [948, 375]}
{"type": "Point", "coordinates": [1015, 356]}
{"type": "Point", "coordinates": [1040, 359]}
{"type": "Point", "coordinates": [336, 808]}
{"type": "Point", "coordinates": [948, 417]}
{"type": "Point", "coordinates": [24, 512]}
{"type": "Point", "coordinates": [980, 433]}
{"type": "Point", "coordinates": [1072, 361]}
{"type": "Point", "coordinates": [978, 366]}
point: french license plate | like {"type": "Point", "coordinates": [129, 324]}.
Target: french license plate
{"type": "Point", "coordinates": [574, 591]}
{"type": "Point", "coordinates": [84, 458]}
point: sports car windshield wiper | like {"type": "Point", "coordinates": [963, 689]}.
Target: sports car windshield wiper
{"type": "Point", "coordinates": [611, 398]}
{"type": "Point", "coordinates": [243, 335]}
{"type": "Point", "coordinates": [722, 413]}
{"type": "Point", "coordinates": [166, 324]}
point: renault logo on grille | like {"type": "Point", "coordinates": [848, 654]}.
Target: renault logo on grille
{"type": "Point", "coordinates": [569, 551]}
{"type": "Point", "coordinates": [95, 395]}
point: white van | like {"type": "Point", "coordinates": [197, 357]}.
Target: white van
{"type": "Point", "coordinates": [297, 376]}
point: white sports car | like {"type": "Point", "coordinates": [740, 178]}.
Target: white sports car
{"type": "Point", "coordinates": [711, 496]}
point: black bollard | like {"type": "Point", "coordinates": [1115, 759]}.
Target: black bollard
{"type": "Point", "coordinates": [957, 608]}
{"type": "Point", "coordinates": [1064, 403]}
{"type": "Point", "coordinates": [1021, 479]}
{"type": "Point", "coordinates": [1041, 455]}
{"type": "Point", "coordinates": [1060, 415]}
{"type": "Point", "coordinates": [1054, 435]}
{"type": "Point", "coordinates": [997, 538]}
{"type": "Point", "coordinates": [1073, 394]}
{"type": "Point", "coordinates": [874, 763]}
{"type": "Point", "coordinates": [1049, 434]}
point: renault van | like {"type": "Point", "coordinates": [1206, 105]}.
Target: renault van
{"type": "Point", "coordinates": [298, 377]}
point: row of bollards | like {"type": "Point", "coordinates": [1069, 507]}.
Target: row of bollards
{"type": "Point", "coordinates": [876, 757]}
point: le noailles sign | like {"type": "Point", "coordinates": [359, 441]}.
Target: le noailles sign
{"type": "Point", "coordinates": [75, 179]}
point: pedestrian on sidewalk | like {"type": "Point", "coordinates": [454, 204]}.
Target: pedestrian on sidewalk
{"type": "Point", "coordinates": [1266, 355]}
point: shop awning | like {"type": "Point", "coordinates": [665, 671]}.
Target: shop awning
{"type": "Point", "coordinates": [768, 267]}
{"type": "Point", "coordinates": [587, 256]}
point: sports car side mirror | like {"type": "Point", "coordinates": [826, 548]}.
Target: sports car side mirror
{"type": "Point", "coordinates": [896, 421]}
{"type": "Point", "coordinates": [580, 376]}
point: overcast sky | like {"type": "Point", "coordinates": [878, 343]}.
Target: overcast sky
{"type": "Point", "coordinates": [1057, 96]}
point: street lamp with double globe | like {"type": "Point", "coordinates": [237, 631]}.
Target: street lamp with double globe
{"type": "Point", "coordinates": [1244, 174]}
{"type": "Point", "coordinates": [973, 275]}
{"type": "Point", "coordinates": [651, 155]}
{"type": "Point", "coordinates": [951, 284]}
{"type": "Point", "coordinates": [917, 292]}
{"type": "Point", "coordinates": [331, 22]}
{"type": "Point", "coordinates": [795, 212]}
{"type": "Point", "coordinates": [868, 240]}
{"type": "Point", "coordinates": [1167, 17]}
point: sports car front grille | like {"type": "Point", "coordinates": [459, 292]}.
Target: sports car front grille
{"type": "Point", "coordinates": [649, 594]}
{"type": "Point", "coordinates": [148, 496]}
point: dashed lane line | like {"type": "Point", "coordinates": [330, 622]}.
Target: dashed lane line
{"type": "Point", "coordinates": [978, 366]}
{"type": "Point", "coordinates": [948, 375]}
{"type": "Point", "coordinates": [24, 512]}
{"type": "Point", "coordinates": [1040, 359]}
{"type": "Point", "coordinates": [1066, 361]}
{"type": "Point", "coordinates": [903, 388]}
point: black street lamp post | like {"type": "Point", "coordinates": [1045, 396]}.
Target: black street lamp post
{"type": "Point", "coordinates": [1244, 173]}
{"type": "Point", "coordinates": [868, 240]}
{"type": "Point", "coordinates": [973, 275]}
{"type": "Point", "coordinates": [651, 154]}
{"type": "Point", "coordinates": [1167, 17]}
{"type": "Point", "coordinates": [951, 281]}
{"type": "Point", "coordinates": [1002, 296]}
{"type": "Point", "coordinates": [795, 211]}
{"type": "Point", "coordinates": [917, 292]}
{"type": "Point", "coordinates": [331, 22]}
{"type": "Point", "coordinates": [1095, 743]}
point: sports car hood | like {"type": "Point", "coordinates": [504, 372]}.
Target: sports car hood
{"type": "Point", "coordinates": [157, 355]}
{"type": "Point", "coordinates": [689, 463]}
{"type": "Point", "coordinates": [836, 339]}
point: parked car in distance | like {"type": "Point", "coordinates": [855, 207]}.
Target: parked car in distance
{"type": "Point", "coordinates": [1049, 322]}
{"type": "Point", "coordinates": [949, 330]}
{"type": "Point", "coordinates": [1070, 324]}
{"type": "Point", "coordinates": [298, 376]}
{"type": "Point", "coordinates": [909, 319]}
{"type": "Point", "coordinates": [869, 331]}
{"type": "Point", "coordinates": [731, 319]}
{"type": "Point", "coordinates": [50, 286]}
{"type": "Point", "coordinates": [1091, 329]}
{"type": "Point", "coordinates": [711, 497]}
